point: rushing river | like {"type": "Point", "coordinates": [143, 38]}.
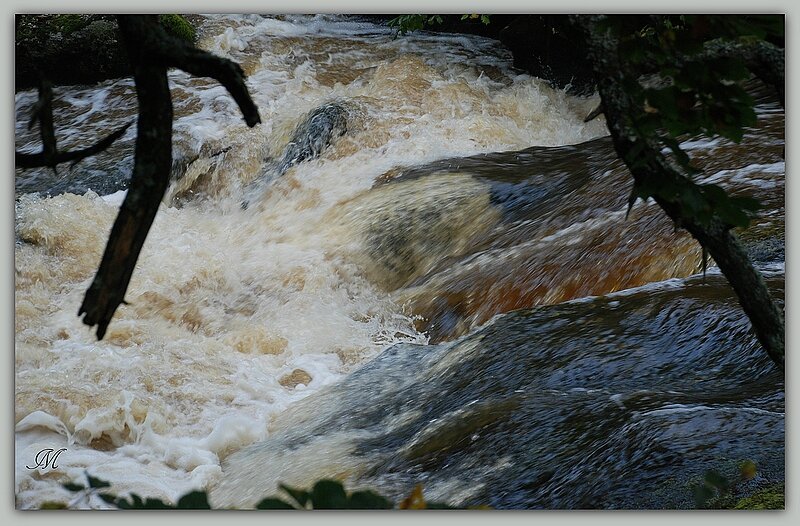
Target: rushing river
{"type": "Point", "coordinates": [349, 322]}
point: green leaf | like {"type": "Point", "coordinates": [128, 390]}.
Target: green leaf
{"type": "Point", "coordinates": [748, 470]}
{"type": "Point", "coordinates": [716, 194]}
{"type": "Point", "coordinates": [96, 482]}
{"type": "Point", "coordinates": [747, 203]}
{"type": "Point", "coordinates": [137, 503]}
{"type": "Point", "coordinates": [406, 23]}
{"type": "Point", "coordinates": [52, 505]}
{"type": "Point", "coordinates": [328, 495]}
{"type": "Point", "coordinates": [302, 497]}
{"type": "Point", "coordinates": [123, 504]}
{"type": "Point", "coordinates": [735, 211]}
{"type": "Point", "coordinates": [71, 486]}
{"type": "Point", "coordinates": [716, 480]}
{"type": "Point", "coordinates": [680, 155]}
{"type": "Point", "coordinates": [694, 203]}
{"type": "Point", "coordinates": [196, 500]}
{"type": "Point", "coordinates": [368, 500]}
{"type": "Point", "coordinates": [729, 68]}
{"type": "Point", "coordinates": [439, 506]}
{"type": "Point", "coordinates": [156, 504]}
{"type": "Point", "coordinates": [702, 494]}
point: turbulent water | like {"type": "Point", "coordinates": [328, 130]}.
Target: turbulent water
{"type": "Point", "coordinates": [461, 189]}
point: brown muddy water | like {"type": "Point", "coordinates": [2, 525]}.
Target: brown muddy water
{"type": "Point", "coordinates": [449, 294]}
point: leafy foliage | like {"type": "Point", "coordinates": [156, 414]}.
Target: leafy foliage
{"type": "Point", "coordinates": [485, 19]}
{"type": "Point", "coordinates": [177, 26]}
{"type": "Point", "coordinates": [42, 26]}
{"type": "Point", "coordinates": [195, 500]}
{"type": "Point", "coordinates": [716, 490]}
{"type": "Point", "coordinates": [68, 24]}
{"type": "Point", "coordinates": [324, 495]}
{"type": "Point", "coordinates": [406, 23]}
{"type": "Point", "coordinates": [685, 74]}
{"type": "Point", "coordinates": [77, 48]}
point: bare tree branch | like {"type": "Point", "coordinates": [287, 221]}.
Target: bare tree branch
{"type": "Point", "coordinates": [42, 112]}
{"type": "Point", "coordinates": [169, 51]}
{"type": "Point", "coordinates": [148, 183]}
{"type": "Point", "coordinates": [226, 72]}
{"type": "Point", "coordinates": [151, 51]}
{"type": "Point", "coordinates": [35, 160]}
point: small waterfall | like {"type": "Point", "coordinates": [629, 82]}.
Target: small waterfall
{"type": "Point", "coordinates": [406, 197]}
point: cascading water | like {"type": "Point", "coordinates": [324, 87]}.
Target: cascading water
{"type": "Point", "coordinates": [407, 229]}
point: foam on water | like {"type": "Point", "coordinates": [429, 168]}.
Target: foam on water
{"type": "Point", "coordinates": [234, 315]}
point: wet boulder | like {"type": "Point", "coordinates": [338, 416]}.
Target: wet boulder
{"type": "Point", "coordinates": [314, 135]}
{"type": "Point", "coordinates": [310, 138]}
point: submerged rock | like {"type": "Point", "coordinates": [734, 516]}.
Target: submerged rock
{"type": "Point", "coordinates": [295, 378]}
{"type": "Point", "coordinates": [311, 137]}
{"type": "Point", "coordinates": [614, 402]}
{"type": "Point", "coordinates": [314, 134]}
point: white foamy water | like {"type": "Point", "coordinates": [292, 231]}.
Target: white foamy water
{"type": "Point", "coordinates": [236, 314]}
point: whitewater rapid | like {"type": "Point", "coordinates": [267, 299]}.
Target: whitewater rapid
{"type": "Point", "coordinates": [235, 315]}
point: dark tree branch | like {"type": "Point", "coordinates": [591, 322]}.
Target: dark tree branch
{"type": "Point", "coordinates": [151, 51]}
{"type": "Point", "coordinates": [595, 112]}
{"type": "Point", "coordinates": [648, 164]}
{"type": "Point", "coordinates": [35, 160]}
{"type": "Point", "coordinates": [168, 51]}
{"type": "Point", "coordinates": [226, 72]}
{"type": "Point", "coordinates": [45, 97]}
{"type": "Point", "coordinates": [42, 112]}
{"type": "Point", "coordinates": [148, 183]}
{"type": "Point", "coordinates": [766, 61]}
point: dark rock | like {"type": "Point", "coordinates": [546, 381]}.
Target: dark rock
{"type": "Point", "coordinates": [311, 137]}
{"type": "Point", "coordinates": [607, 403]}
{"type": "Point", "coordinates": [548, 47]}
{"type": "Point", "coordinates": [314, 134]}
